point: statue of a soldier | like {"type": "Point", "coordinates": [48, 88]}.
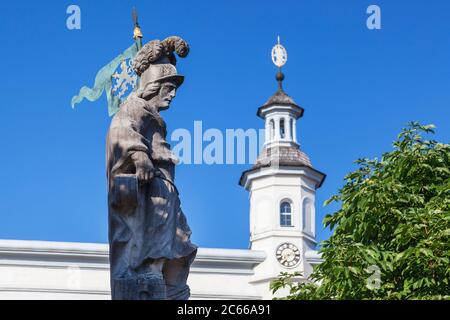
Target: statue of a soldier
{"type": "Point", "coordinates": [150, 247]}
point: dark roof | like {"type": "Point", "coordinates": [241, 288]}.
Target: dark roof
{"type": "Point", "coordinates": [283, 156]}
{"type": "Point", "coordinates": [280, 98]}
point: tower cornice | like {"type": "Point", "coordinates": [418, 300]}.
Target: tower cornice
{"type": "Point", "coordinates": [284, 169]}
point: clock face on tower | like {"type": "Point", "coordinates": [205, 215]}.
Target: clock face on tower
{"type": "Point", "coordinates": [288, 255]}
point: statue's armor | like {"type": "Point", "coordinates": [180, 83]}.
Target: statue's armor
{"type": "Point", "coordinates": [145, 221]}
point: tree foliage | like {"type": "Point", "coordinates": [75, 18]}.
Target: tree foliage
{"type": "Point", "coordinates": [392, 231]}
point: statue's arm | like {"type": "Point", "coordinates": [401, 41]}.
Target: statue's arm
{"type": "Point", "coordinates": [133, 148]}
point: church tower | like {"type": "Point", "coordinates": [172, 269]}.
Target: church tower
{"type": "Point", "coordinates": [282, 186]}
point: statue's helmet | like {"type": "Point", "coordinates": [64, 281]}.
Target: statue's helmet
{"type": "Point", "coordinates": [162, 71]}
{"type": "Point", "coordinates": [155, 62]}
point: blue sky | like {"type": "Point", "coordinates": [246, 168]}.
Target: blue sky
{"type": "Point", "coordinates": [358, 87]}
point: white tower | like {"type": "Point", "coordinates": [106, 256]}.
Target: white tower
{"type": "Point", "coordinates": [282, 186]}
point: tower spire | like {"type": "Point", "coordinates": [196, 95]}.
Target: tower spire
{"type": "Point", "coordinates": [280, 78]}
{"type": "Point", "coordinates": [279, 59]}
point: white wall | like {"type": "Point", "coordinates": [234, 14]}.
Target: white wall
{"type": "Point", "coordinates": [60, 270]}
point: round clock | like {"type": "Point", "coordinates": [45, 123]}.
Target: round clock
{"type": "Point", "coordinates": [288, 255]}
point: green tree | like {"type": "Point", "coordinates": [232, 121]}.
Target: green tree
{"type": "Point", "coordinates": [391, 234]}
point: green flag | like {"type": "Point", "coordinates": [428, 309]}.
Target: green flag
{"type": "Point", "coordinates": [103, 81]}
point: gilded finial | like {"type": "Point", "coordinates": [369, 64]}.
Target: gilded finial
{"type": "Point", "coordinates": [137, 29]}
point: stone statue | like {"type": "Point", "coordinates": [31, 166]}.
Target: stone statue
{"type": "Point", "coordinates": [149, 238]}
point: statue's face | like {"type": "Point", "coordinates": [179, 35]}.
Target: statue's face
{"type": "Point", "coordinates": [166, 93]}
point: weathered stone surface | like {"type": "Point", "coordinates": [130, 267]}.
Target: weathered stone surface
{"type": "Point", "coordinates": [150, 248]}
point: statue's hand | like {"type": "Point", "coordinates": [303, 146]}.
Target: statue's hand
{"type": "Point", "coordinates": [144, 167]}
